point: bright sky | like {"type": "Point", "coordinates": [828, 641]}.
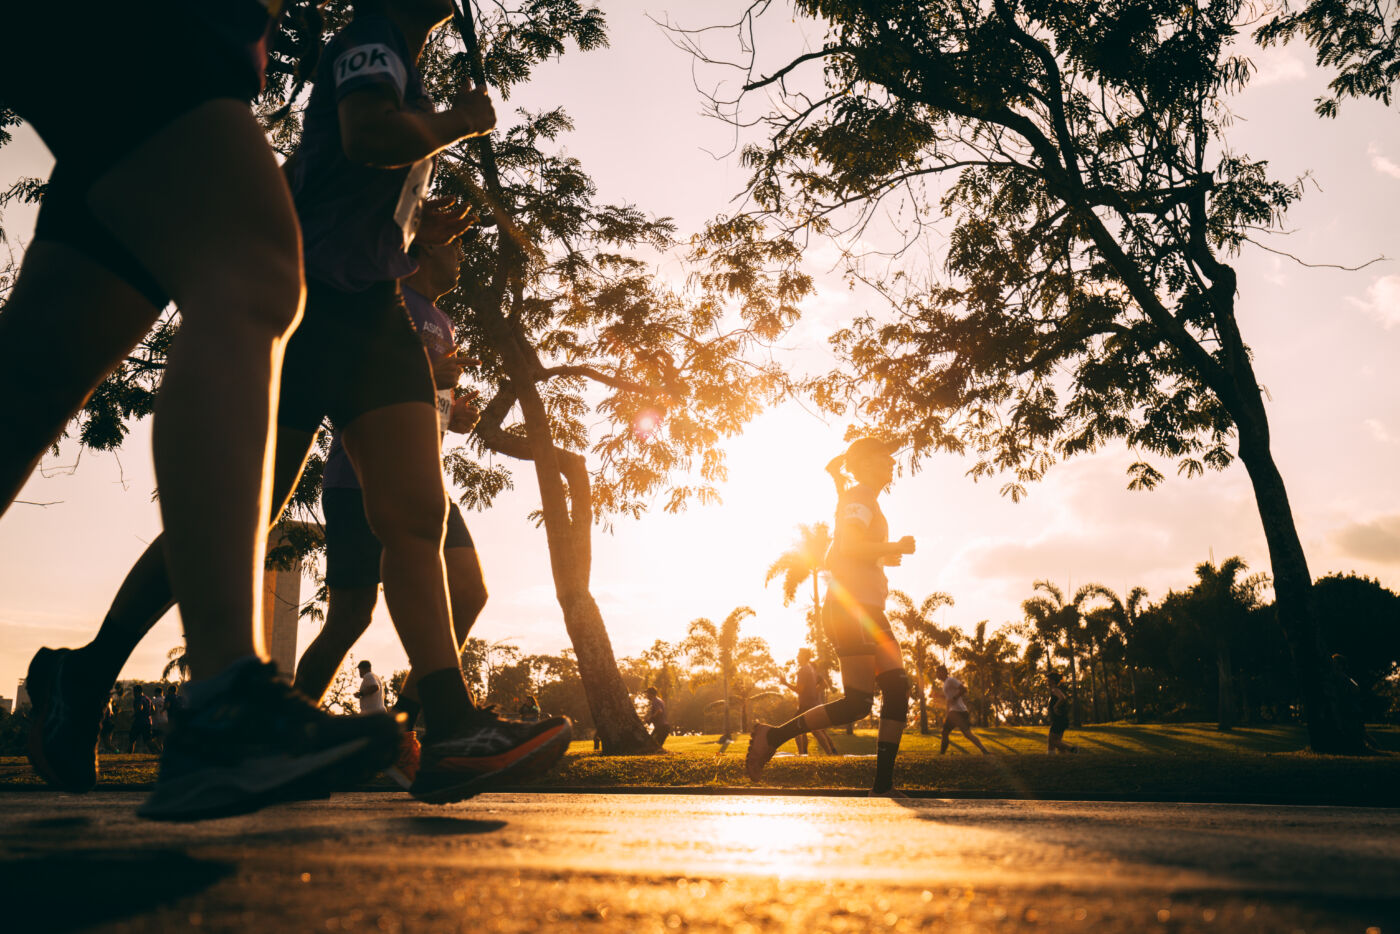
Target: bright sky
{"type": "Point", "coordinates": [1326, 342]}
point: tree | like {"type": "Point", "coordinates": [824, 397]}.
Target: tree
{"type": "Point", "coordinates": [1123, 615]}
{"type": "Point", "coordinates": [805, 561]}
{"type": "Point", "coordinates": [922, 635]}
{"type": "Point", "coordinates": [1094, 200]}
{"type": "Point", "coordinates": [1358, 38]}
{"type": "Point", "coordinates": [713, 647]}
{"type": "Point", "coordinates": [1057, 624]}
{"type": "Point", "coordinates": [175, 661]}
{"type": "Point", "coordinates": [586, 351]}
{"type": "Point", "coordinates": [1362, 622]}
{"type": "Point", "coordinates": [986, 662]}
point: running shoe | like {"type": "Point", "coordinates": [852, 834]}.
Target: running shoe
{"type": "Point", "coordinates": [405, 768]}
{"type": "Point", "coordinates": [258, 741]}
{"type": "Point", "coordinates": [759, 752]}
{"type": "Point", "coordinates": [494, 752]}
{"type": "Point", "coordinates": [65, 723]}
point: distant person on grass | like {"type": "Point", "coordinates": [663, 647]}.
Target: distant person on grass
{"type": "Point", "coordinates": [1058, 712]}
{"type": "Point", "coordinates": [807, 685]}
{"type": "Point", "coordinates": [656, 717]}
{"type": "Point", "coordinates": [142, 711]}
{"type": "Point", "coordinates": [956, 717]}
{"type": "Point", "coordinates": [854, 615]}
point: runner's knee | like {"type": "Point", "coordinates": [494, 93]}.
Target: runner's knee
{"type": "Point", "coordinates": [894, 695]}
{"type": "Point", "coordinates": [408, 517]}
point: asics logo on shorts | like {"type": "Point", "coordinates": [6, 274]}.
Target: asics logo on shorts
{"type": "Point", "coordinates": [374, 58]}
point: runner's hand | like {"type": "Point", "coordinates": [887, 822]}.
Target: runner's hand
{"type": "Point", "coordinates": [465, 415]}
{"type": "Point", "coordinates": [448, 370]}
{"type": "Point", "coordinates": [443, 221]}
{"type": "Point", "coordinates": [905, 545]}
{"type": "Point", "coordinates": [474, 105]}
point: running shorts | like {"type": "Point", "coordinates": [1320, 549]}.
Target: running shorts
{"type": "Point", "coordinates": [956, 720]}
{"type": "Point", "coordinates": [352, 551]}
{"type": "Point", "coordinates": [855, 630]}
{"type": "Point", "coordinates": [353, 352]}
{"type": "Point", "coordinates": [96, 79]}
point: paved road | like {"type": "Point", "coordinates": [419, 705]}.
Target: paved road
{"type": "Point", "coordinates": [641, 863]}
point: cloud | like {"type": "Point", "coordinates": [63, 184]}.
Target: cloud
{"type": "Point", "coordinates": [1378, 431]}
{"type": "Point", "coordinates": [1278, 68]}
{"type": "Point", "coordinates": [1377, 540]}
{"type": "Point", "coordinates": [1382, 164]}
{"type": "Point", "coordinates": [1382, 301]}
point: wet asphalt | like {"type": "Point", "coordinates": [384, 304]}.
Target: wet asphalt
{"type": "Point", "coordinates": [643, 863]}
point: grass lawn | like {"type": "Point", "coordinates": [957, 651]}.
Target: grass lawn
{"type": "Point", "coordinates": [1188, 762]}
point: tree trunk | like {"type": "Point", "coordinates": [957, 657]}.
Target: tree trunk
{"type": "Point", "coordinates": [1137, 700]}
{"type": "Point", "coordinates": [1333, 726]}
{"type": "Point", "coordinates": [1075, 718]}
{"type": "Point", "coordinates": [1107, 689]}
{"type": "Point", "coordinates": [1225, 692]}
{"type": "Point", "coordinates": [568, 521]}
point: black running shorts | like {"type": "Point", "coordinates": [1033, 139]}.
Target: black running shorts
{"type": "Point", "coordinates": [856, 629]}
{"type": "Point", "coordinates": [96, 79]}
{"type": "Point", "coordinates": [353, 352]}
{"type": "Point", "coordinates": [352, 551]}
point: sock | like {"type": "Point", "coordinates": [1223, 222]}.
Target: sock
{"type": "Point", "coordinates": [447, 707]}
{"type": "Point", "coordinates": [410, 709]}
{"type": "Point", "coordinates": [781, 734]}
{"type": "Point", "coordinates": [884, 765]}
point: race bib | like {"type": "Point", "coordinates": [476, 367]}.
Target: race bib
{"type": "Point", "coordinates": [409, 210]}
{"type": "Point", "coordinates": [858, 512]}
{"type": "Point", "coordinates": [444, 410]}
{"type": "Point", "coordinates": [370, 60]}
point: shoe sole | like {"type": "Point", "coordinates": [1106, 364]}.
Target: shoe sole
{"type": "Point", "coordinates": [40, 680]}
{"type": "Point", "coordinates": [754, 772]}
{"type": "Point", "coordinates": [226, 792]}
{"type": "Point", "coordinates": [534, 763]}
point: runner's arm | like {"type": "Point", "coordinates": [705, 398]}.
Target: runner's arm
{"type": "Point", "coordinates": [376, 130]}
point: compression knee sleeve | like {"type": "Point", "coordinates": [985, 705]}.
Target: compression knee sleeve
{"type": "Point", "coordinates": [855, 705]}
{"type": "Point", "coordinates": [894, 695]}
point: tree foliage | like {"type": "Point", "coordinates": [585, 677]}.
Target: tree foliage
{"type": "Point", "coordinates": [1359, 39]}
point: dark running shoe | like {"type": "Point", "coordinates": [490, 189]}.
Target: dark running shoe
{"type": "Point", "coordinates": [66, 720]}
{"type": "Point", "coordinates": [759, 753]}
{"type": "Point", "coordinates": [258, 742]}
{"type": "Point", "coordinates": [495, 752]}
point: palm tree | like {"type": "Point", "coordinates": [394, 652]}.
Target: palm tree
{"type": "Point", "coordinates": [1223, 601]}
{"type": "Point", "coordinates": [985, 661]}
{"type": "Point", "coordinates": [796, 566]}
{"type": "Point", "coordinates": [923, 634]}
{"type": "Point", "coordinates": [1055, 620]}
{"type": "Point", "coordinates": [176, 660]}
{"type": "Point", "coordinates": [713, 647]}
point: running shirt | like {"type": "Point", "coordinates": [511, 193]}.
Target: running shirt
{"type": "Point", "coordinates": [860, 580]}
{"type": "Point", "coordinates": [656, 711]}
{"type": "Point", "coordinates": [435, 330]}
{"type": "Point", "coordinates": [141, 710]}
{"type": "Point", "coordinates": [358, 221]}
{"type": "Point", "coordinates": [373, 700]}
{"type": "Point", "coordinates": [951, 687]}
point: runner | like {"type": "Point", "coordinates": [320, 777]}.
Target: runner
{"type": "Point", "coordinates": [854, 616]}
{"type": "Point", "coordinates": [352, 552]}
{"type": "Point", "coordinates": [371, 692]}
{"type": "Point", "coordinates": [807, 685]}
{"type": "Point", "coordinates": [357, 359]}
{"type": "Point", "coordinates": [956, 716]}
{"type": "Point", "coordinates": [142, 712]}
{"type": "Point", "coordinates": [656, 717]}
{"type": "Point", "coordinates": [164, 188]}
{"type": "Point", "coordinates": [1057, 711]}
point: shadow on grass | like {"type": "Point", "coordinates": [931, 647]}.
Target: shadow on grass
{"type": "Point", "coordinates": [59, 893]}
